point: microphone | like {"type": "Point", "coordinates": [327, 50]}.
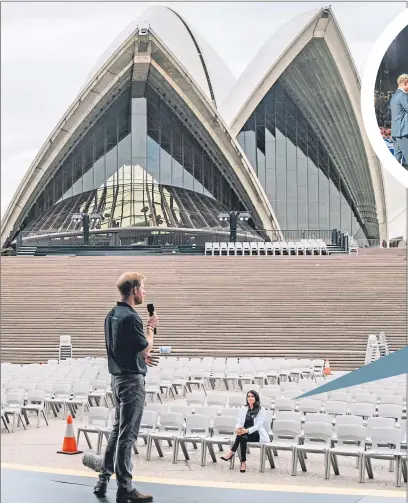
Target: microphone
{"type": "Point", "coordinates": [150, 310]}
{"type": "Point", "coordinates": [93, 462]}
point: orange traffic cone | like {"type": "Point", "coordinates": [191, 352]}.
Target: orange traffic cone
{"type": "Point", "coordinates": [69, 446]}
{"type": "Point", "coordinates": [327, 370]}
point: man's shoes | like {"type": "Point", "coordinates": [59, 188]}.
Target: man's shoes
{"type": "Point", "coordinates": [100, 488]}
{"type": "Point", "coordinates": [123, 496]}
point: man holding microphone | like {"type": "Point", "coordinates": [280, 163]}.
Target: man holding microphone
{"type": "Point", "coordinates": [129, 351]}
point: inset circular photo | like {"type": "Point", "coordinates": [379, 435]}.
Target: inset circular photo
{"type": "Point", "coordinates": [391, 98]}
{"type": "Point", "coordinates": [384, 98]}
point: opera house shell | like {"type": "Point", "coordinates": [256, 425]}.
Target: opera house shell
{"type": "Point", "coordinates": [163, 136]}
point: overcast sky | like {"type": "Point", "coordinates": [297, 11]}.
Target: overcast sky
{"type": "Point", "coordinates": [48, 50]}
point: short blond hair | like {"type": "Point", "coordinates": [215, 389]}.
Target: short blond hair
{"type": "Point", "coordinates": [402, 79]}
{"type": "Point", "coordinates": [128, 281]}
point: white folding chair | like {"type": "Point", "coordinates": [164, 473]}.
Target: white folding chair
{"type": "Point", "coordinates": [98, 420]}
{"type": "Point", "coordinates": [171, 425]}
{"type": "Point", "coordinates": [196, 398]}
{"type": "Point", "coordinates": [317, 439]}
{"type": "Point", "coordinates": [386, 445]}
{"type": "Point", "coordinates": [79, 399]}
{"type": "Point", "coordinates": [285, 438]}
{"type": "Point", "coordinates": [35, 403]}
{"type": "Point", "coordinates": [362, 409]}
{"type": "Point", "coordinates": [350, 442]}
{"type": "Point", "coordinates": [335, 408]}
{"type": "Point", "coordinates": [13, 407]}
{"type": "Point", "coordinates": [197, 428]}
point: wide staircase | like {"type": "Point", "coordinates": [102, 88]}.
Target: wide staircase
{"type": "Point", "coordinates": [296, 307]}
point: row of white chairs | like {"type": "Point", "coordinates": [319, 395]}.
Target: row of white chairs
{"type": "Point", "coordinates": [304, 247]}
{"type": "Point", "coordinates": [381, 438]}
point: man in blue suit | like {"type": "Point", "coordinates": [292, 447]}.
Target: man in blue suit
{"type": "Point", "coordinates": [399, 119]}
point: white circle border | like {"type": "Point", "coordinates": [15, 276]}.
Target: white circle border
{"type": "Point", "coordinates": [367, 97]}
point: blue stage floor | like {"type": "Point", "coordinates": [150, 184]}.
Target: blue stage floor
{"type": "Point", "coordinates": [18, 486]}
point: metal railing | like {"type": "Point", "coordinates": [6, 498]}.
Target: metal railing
{"type": "Point", "coordinates": [142, 236]}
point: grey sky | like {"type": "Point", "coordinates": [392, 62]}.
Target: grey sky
{"type": "Point", "coordinates": [48, 50]}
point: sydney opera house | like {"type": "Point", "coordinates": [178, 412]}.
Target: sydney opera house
{"type": "Point", "coordinates": [164, 136]}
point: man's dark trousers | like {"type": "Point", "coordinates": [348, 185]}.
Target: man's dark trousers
{"type": "Point", "coordinates": [129, 399]}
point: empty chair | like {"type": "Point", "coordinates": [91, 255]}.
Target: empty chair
{"type": "Point", "coordinates": [254, 248]}
{"type": "Point", "coordinates": [181, 409]}
{"type": "Point", "coordinates": [148, 424]}
{"type": "Point", "coordinates": [229, 411]}
{"type": "Point", "coordinates": [35, 403]}
{"type": "Point", "coordinates": [390, 410]}
{"type": "Point", "coordinates": [98, 392]}
{"type": "Point", "coordinates": [196, 398]}
{"type": "Point", "coordinates": [318, 418]}
{"type": "Point", "coordinates": [223, 434]}
{"type": "Point", "coordinates": [79, 399]}
{"type": "Point", "coordinates": [335, 408]}
{"type": "Point", "coordinates": [251, 387]}
{"type": "Point", "coordinates": [349, 419]}
{"type": "Point", "coordinates": [211, 412]}
{"type": "Point", "coordinates": [166, 381]}
{"type": "Point", "coordinates": [158, 407]}
{"type": "Point", "coordinates": [391, 399]}
{"type": "Point", "coordinates": [152, 387]}
{"type": "Point", "coordinates": [62, 392]}
{"type": "Point", "coordinates": [232, 250]}
{"type": "Point", "coordinates": [223, 248]}
{"type": "Point", "coordinates": [365, 398]}
{"type": "Point", "coordinates": [350, 442]}
{"type": "Point", "coordinates": [171, 425]}
{"type": "Point", "coordinates": [309, 405]}
{"type": "Point", "coordinates": [288, 415]}
{"type": "Point", "coordinates": [272, 392]}
{"type": "Point", "coordinates": [386, 445]}
{"type": "Point", "coordinates": [216, 399]}
{"type": "Point", "coordinates": [291, 393]}
{"type": "Point", "coordinates": [317, 439]}
{"type": "Point", "coordinates": [98, 418]}
{"type": "Point", "coordinates": [284, 404]}
{"type": "Point", "coordinates": [362, 409]}
{"type": "Point", "coordinates": [13, 407]}
{"type": "Point", "coordinates": [380, 422]}
{"type": "Point", "coordinates": [236, 400]}
{"type": "Point", "coordinates": [197, 428]}
{"type": "Point", "coordinates": [208, 249]}
{"type": "Point", "coordinates": [285, 438]}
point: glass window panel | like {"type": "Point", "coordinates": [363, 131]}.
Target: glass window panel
{"type": "Point", "coordinates": [261, 167]}
{"type": "Point", "coordinates": [250, 148]}
{"type": "Point", "coordinates": [291, 188]}
{"type": "Point", "coordinates": [281, 189]}
{"type": "Point", "coordinates": [290, 157]}
{"type": "Point", "coordinates": [291, 221]}
{"type": "Point", "coordinates": [302, 191]}
{"type": "Point", "coordinates": [313, 215]}
{"type": "Point", "coordinates": [165, 168]}
{"type": "Point", "coordinates": [67, 177]}
{"type": "Point", "coordinates": [198, 170]}
{"type": "Point", "coordinates": [313, 187]}
{"type": "Point", "coordinates": [177, 178]}
{"type": "Point", "coordinates": [99, 170]}
{"type": "Point", "coordinates": [345, 215]}
{"type": "Point", "coordinates": [111, 165]}
{"type": "Point", "coordinates": [154, 166]}
{"type": "Point", "coordinates": [281, 214]}
{"type": "Point", "coordinates": [303, 218]}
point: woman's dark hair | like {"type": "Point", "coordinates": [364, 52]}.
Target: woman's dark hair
{"type": "Point", "coordinates": [257, 404]}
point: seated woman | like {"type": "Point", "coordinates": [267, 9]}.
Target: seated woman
{"type": "Point", "coordinates": [250, 428]}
